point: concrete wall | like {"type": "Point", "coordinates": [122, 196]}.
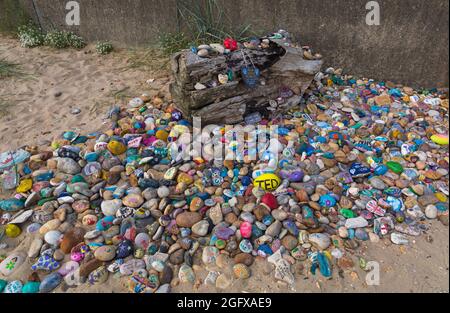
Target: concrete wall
{"type": "Point", "coordinates": [410, 46]}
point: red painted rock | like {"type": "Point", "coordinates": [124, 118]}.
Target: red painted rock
{"type": "Point", "coordinates": [270, 200]}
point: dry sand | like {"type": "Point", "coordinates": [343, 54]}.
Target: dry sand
{"type": "Point", "coordinates": [89, 82]}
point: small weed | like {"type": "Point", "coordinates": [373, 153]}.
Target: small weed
{"type": "Point", "coordinates": [63, 39]}
{"type": "Point", "coordinates": [103, 47]}
{"type": "Point", "coordinates": [4, 107]}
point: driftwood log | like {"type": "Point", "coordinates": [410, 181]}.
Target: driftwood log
{"type": "Point", "coordinates": [281, 66]}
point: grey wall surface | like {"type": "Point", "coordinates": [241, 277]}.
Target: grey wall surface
{"type": "Point", "coordinates": [410, 46]}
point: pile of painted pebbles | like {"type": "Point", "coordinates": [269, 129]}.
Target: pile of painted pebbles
{"type": "Point", "coordinates": [358, 161]}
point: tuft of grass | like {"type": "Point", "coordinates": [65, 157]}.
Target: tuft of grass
{"type": "Point", "coordinates": [207, 22]}
{"type": "Point", "coordinates": [173, 42]}
{"type": "Point", "coordinates": [10, 69]}
{"type": "Point", "coordinates": [120, 94]}
{"type": "Point", "coordinates": [149, 59]}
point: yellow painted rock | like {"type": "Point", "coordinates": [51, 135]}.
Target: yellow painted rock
{"type": "Point", "coordinates": [185, 178]}
{"type": "Point", "coordinates": [116, 147]}
{"type": "Point", "coordinates": [267, 182]}
{"type": "Point", "coordinates": [25, 185]}
{"type": "Point", "coordinates": [441, 197]}
{"type": "Point", "coordinates": [12, 231]}
{"type": "Point", "coordinates": [440, 139]}
{"type": "Point", "coordinates": [181, 129]}
{"type": "Point", "coordinates": [162, 135]}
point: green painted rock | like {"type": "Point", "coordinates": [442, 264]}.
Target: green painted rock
{"type": "Point", "coordinates": [395, 167]}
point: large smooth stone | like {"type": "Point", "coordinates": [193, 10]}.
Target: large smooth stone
{"type": "Point", "coordinates": [188, 219]}
{"type": "Point", "coordinates": [71, 238]}
{"type": "Point", "coordinates": [110, 207]}
{"type": "Point", "coordinates": [142, 240]}
{"type": "Point", "coordinates": [50, 225]}
{"type": "Point", "coordinates": [53, 237]}
{"type": "Point", "coordinates": [35, 247]}
{"type": "Point", "coordinates": [241, 271]}
{"type": "Point", "coordinates": [68, 166]}
{"type": "Point", "coordinates": [320, 240]}
{"type": "Point", "coordinates": [186, 274]}
{"type": "Point", "coordinates": [209, 255]}
{"type": "Point", "coordinates": [200, 228]}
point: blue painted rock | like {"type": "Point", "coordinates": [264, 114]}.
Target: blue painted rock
{"type": "Point", "coordinates": [361, 234]}
{"type": "Point", "coordinates": [124, 249]}
{"type": "Point", "coordinates": [381, 170]}
{"type": "Point", "coordinates": [31, 287]}
{"type": "Point", "coordinates": [327, 201]}
{"type": "Point", "coordinates": [11, 205]}
{"type": "Point", "coordinates": [46, 263]}
{"type": "Point", "coordinates": [296, 176]}
{"type": "Point", "coordinates": [33, 227]}
{"type": "Point", "coordinates": [50, 282]}
{"type": "Point", "coordinates": [14, 287]}
{"type": "Point", "coordinates": [359, 170]}
{"type": "Point", "coordinates": [105, 223]}
{"type": "Point", "coordinates": [245, 246]}
{"type": "Point", "coordinates": [224, 233]}
{"type": "Point", "coordinates": [344, 178]}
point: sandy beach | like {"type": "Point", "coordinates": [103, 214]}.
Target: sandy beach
{"type": "Point", "coordinates": [39, 107]}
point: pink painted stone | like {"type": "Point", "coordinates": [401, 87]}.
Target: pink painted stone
{"type": "Point", "coordinates": [246, 229]}
{"type": "Point", "coordinates": [68, 267]}
{"type": "Point", "coordinates": [40, 185]}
